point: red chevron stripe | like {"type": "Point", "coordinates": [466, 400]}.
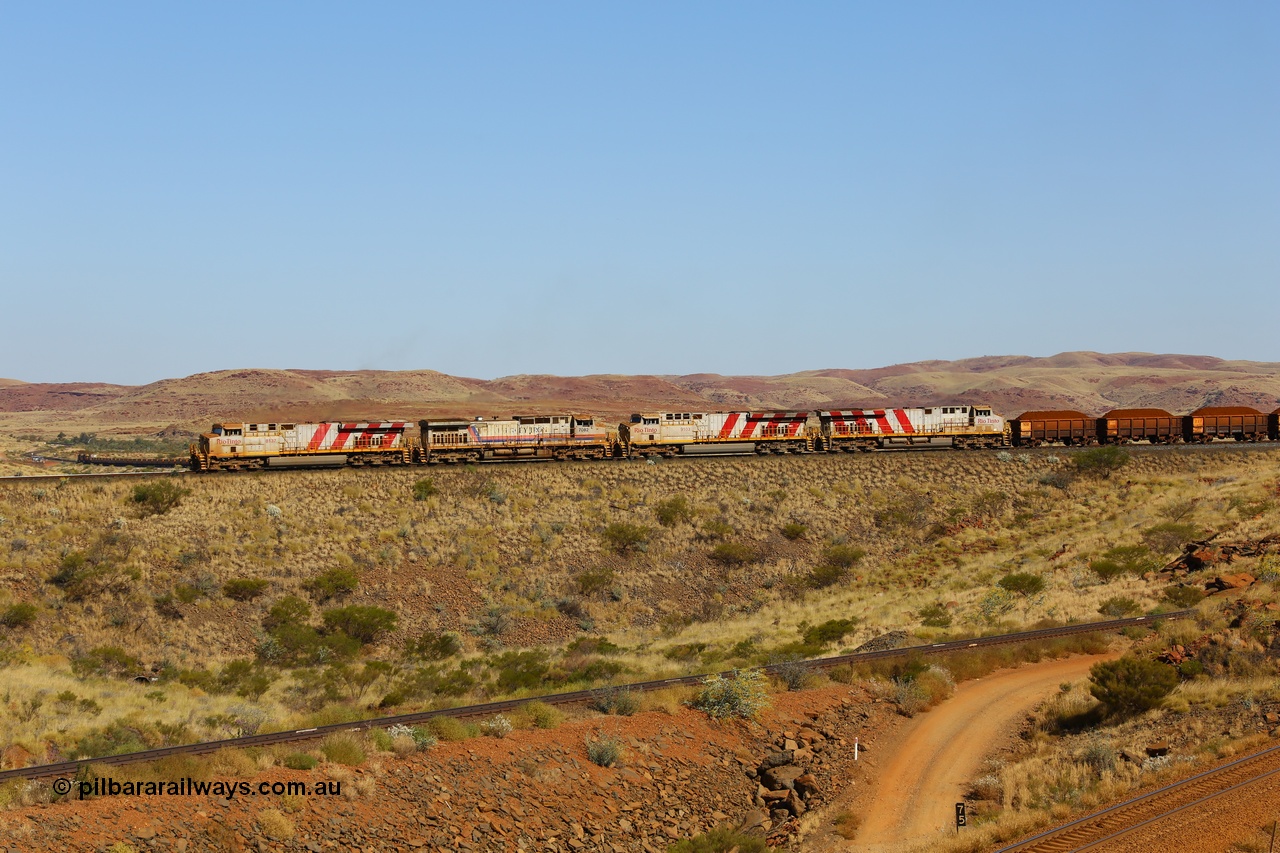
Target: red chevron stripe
{"type": "Point", "coordinates": [904, 420]}
{"type": "Point", "coordinates": [321, 431]}
{"type": "Point", "coordinates": [729, 423]}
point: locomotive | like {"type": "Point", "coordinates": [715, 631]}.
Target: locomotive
{"type": "Point", "coordinates": [241, 446]}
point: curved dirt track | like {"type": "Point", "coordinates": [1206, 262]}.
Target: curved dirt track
{"type": "Point", "coordinates": [943, 750]}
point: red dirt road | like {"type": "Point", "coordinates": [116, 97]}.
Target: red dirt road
{"type": "Point", "coordinates": [943, 750]}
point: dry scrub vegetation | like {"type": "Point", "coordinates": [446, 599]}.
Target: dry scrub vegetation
{"type": "Point", "coordinates": [286, 599]}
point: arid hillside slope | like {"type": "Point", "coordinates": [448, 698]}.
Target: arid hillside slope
{"type": "Point", "coordinates": [1091, 382]}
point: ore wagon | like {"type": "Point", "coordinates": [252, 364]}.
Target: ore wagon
{"type": "Point", "coordinates": [517, 437]}
{"type": "Point", "coordinates": [699, 433]}
{"type": "Point", "coordinates": [1032, 429]}
{"type": "Point", "coordinates": [1273, 425]}
{"type": "Point", "coordinates": [1123, 426]}
{"type": "Point", "coordinates": [1241, 423]}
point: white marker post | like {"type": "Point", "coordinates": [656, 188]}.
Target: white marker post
{"type": "Point", "coordinates": [855, 749]}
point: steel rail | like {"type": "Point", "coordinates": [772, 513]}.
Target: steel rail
{"type": "Point", "coordinates": [1076, 835]}
{"type": "Point", "coordinates": [578, 696]}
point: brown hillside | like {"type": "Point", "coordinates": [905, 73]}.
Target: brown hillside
{"type": "Point", "coordinates": [1086, 381]}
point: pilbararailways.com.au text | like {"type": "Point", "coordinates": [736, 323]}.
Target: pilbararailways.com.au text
{"type": "Point", "coordinates": [188, 787]}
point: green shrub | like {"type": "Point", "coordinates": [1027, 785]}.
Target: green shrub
{"type": "Point", "coordinates": [333, 583]}
{"type": "Point", "coordinates": [360, 622]}
{"type": "Point", "coordinates": [603, 750]}
{"type": "Point", "coordinates": [106, 660]}
{"type": "Point", "coordinates": [523, 670]}
{"type": "Point", "coordinates": [424, 488]}
{"type": "Point", "coordinates": [794, 530]}
{"type": "Point", "coordinates": [1182, 596]}
{"type": "Point", "coordinates": [592, 581]}
{"type": "Point", "coordinates": [615, 700]}
{"type": "Point", "coordinates": [451, 729]}
{"type": "Point", "coordinates": [289, 610]}
{"type": "Point", "coordinates": [842, 556]}
{"type": "Point", "coordinates": [1190, 668]}
{"type": "Point", "coordinates": [300, 761]}
{"type": "Point", "coordinates": [343, 748]}
{"type": "Point", "coordinates": [821, 577]}
{"type": "Point", "coordinates": [158, 497]}
{"type": "Point", "coordinates": [722, 839]}
{"type": "Point", "coordinates": [244, 589]}
{"type": "Point", "coordinates": [1022, 583]}
{"type": "Point", "coordinates": [1130, 686]}
{"type": "Point", "coordinates": [743, 695]}
{"type": "Point", "coordinates": [935, 616]}
{"type": "Point", "coordinates": [1123, 560]}
{"type": "Point", "coordinates": [733, 553]}
{"type": "Point", "coordinates": [672, 511]}
{"type": "Point", "coordinates": [434, 646]}
{"type": "Point", "coordinates": [624, 538]}
{"type": "Point", "coordinates": [1118, 607]}
{"type": "Point", "coordinates": [542, 715]}
{"type": "Point", "coordinates": [18, 615]}
{"type": "Point", "coordinates": [1169, 537]}
{"type": "Point", "coordinates": [1101, 461]}
{"type": "Point", "coordinates": [831, 631]}
{"type": "Point", "coordinates": [715, 529]}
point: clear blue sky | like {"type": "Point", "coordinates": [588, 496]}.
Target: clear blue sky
{"type": "Point", "coordinates": [658, 187]}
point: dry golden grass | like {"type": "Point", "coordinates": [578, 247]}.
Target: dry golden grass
{"type": "Point", "coordinates": [498, 555]}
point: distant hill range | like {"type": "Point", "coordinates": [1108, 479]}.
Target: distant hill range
{"type": "Point", "coordinates": [1087, 381]}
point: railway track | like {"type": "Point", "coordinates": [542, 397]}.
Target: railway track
{"type": "Point", "coordinates": [576, 697]}
{"type": "Point", "coordinates": [1113, 823]}
{"type": "Point", "coordinates": [165, 470]}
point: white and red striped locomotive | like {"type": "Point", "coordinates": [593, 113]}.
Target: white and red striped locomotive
{"type": "Point", "coordinates": [671, 433]}
{"type": "Point", "coordinates": [950, 426]}
{"type": "Point", "coordinates": [237, 446]}
{"type": "Point", "coordinates": [517, 437]}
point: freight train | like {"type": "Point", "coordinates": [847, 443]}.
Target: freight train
{"type": "Point", "coordinates": [244, 446]}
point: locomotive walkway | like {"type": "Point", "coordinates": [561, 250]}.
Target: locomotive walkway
{"type": "Point", "coordinates": [576, 697]}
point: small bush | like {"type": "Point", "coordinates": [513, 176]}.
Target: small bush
{"type": "Point", "coordinates": [1169, 537]}
{"type": "Point", "coordinates": [343, 749]}
{"type": "Point", "coordinates": [672, 511]}
{"type": "Point", "coordinates": [1123, 560]}
{"type": "Point", "coordinates": [450, 729]}
{"type": "Point", "coordinates": [1022, 583]}
{"type": "Point", "coordinates": [289, 610]}
{"type": "Point", "coordinates": [1101, 461]}
{"type": "Point", "coordinates": [625, 538]}
{"type": "Point", "coordinates": [831, 631]}
{"type": "Point", "coordinates": [743, 695]}
{"type": "Point", "coordinates": [106, 660]}
{"type": "Point", "coordinates": [18, 615]}
{"type": "Point", "coordinates": [333, 583]}
{"type": "Point", "coordinates": [361, 622]}
{"type": "Point", "coordinates": [1118, 607]}
{"type": "Point", "coordinates": [424, 488]}
{"type": "Point", "coordinates": [935, 616]}
{"type": "Point", "coordinates": [794, 530]}
{"type": "Point", "coordinates": [434, 646]}
{"type": "Point", "coordinates": [825, 576]}
{"type": "Point", "coordinates": [274, 824]}
{"type": "Point", "coordinates": [593, 581]}
{"type": "Point", "coordinates": [245, 589]}
{"type": "Point", "coordinates": [615, 700]}
{"type": "Point", "coordinates": [722, 839]}
{"type": "Point", "coordinates": [1182, 596]}
{"type": "Point", "coordinates": [542, 715]}
{"type": "Point", "coordinates": [1130, 686]}
{"type": "Point", "coordinates": [733, 553]}
{"type": "Point", "coordinates": [793, 673]}
{"type": "Point", "coordinates": [300, 761]}
{"type": "Point", "coordinates": [843, 556]}
{"type": "Point", "coordinates": [158, 497]}
{"type": "Point", "coordinates": [498, 726]}
{"type": "Point", "coordinates": [603, 750]}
